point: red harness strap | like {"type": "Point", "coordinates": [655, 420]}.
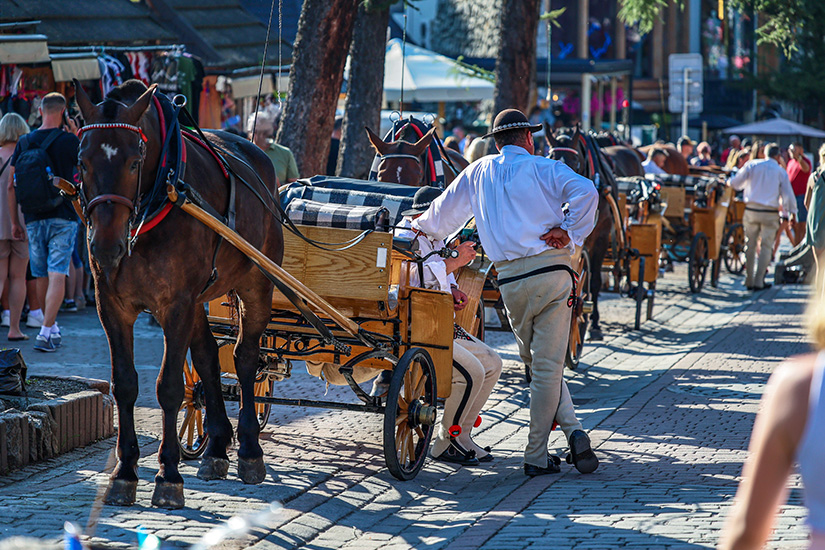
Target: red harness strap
{"type": "Point", "coordinates": [198, 140]}
{"type": "Point", "coordinates": [420, 135]}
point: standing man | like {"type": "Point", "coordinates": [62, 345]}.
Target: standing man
{"type": "Point", "coordinates": [50, 220]}
{"type": "Point", "coordinates": [799, 170]}
{"type": "Point", "coordinates": [517, 200]}
{"type": "Point", "coordinates": [766, 187]}
{"type": "Point", "coordinates": [282, 158]}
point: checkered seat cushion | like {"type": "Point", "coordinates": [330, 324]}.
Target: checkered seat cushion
{"type": "Point", "coordinates": [346, 216]}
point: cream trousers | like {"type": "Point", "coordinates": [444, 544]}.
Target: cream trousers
{"type": "Point", "coordinates": [537, 310]}
{"type": "Point", "coordinates": [476, 368]}
{"type": "Point", "coordinates": [758, 225]}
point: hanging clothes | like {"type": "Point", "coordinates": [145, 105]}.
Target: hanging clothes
{"type": "Point", "coordinates": [141, 64]}
{"type": "Point", "coordinates": [165, 72]}
{"type": "Point", "coordinates": [111, 73]}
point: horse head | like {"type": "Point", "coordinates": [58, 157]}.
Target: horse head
{"type": "Point", "coordinates": [401, 160]}
{"type": "Point", "coordinates": [117, 163]}
{"type": "Point", "coordinates": [567, 149]}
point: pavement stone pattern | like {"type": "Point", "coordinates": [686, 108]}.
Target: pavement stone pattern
{"type": "Point", "coordinates": [669, 409]}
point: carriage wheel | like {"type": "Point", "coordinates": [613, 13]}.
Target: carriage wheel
{"type": "Point", "coordinates": [578, 325]}
{"type": "Point", "coordinates": [734, 243]}
{"type": "Point", "coordinates": [263, 388]}
{"type": "Point", "coordinates": [698, 262]}
{"type": "Point", "coordinates": [410, 414]}
{"type": "Point", "coordinates": [192, 434]}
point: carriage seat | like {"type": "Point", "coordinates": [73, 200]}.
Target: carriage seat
{"type": "Point", "coordinates": [393, 197]}
{"type": "Point", "coordinates": [344, 216]}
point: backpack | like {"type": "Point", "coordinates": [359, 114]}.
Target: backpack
{"type": "Point", "coordinates": [33, 175]}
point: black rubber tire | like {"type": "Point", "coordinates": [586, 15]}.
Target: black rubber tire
{"type": "Point", "coordinates": [734, 245]}
{"type": "Point", "coordinates": [393, 428]}
{"type": "Point", "coordinates": [571, 359]}
{"type": "Point", "coordinates": [698, 262]}
{"type": "Point", "coordinates": [192, 405]}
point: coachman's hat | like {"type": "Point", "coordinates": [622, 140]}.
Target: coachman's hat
{"type": "Point", "coordinates": [511, 119]}
{"type": "Point", "coordinates": [422, 200]}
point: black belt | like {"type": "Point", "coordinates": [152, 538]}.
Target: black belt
{"type": "Point", "coordinates": [761, 210]}
{"type": "Point", "coordinates": [547, 269]}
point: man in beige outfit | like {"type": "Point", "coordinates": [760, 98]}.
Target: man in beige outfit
{"type": "Point", "coordinates": [517, 200]}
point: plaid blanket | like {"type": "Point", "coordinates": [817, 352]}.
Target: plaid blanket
{"type": "Point", "coordinates": [394, 204]}
{"type": "Point", "coordinates": [346, 216]}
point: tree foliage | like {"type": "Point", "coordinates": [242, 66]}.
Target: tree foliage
{"type": "Point", "coordinates": [785, 20]}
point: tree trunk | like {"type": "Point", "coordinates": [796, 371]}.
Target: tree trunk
{"type": "Point", "coordinates": [321, 46]}
{"type": "Point", "coordinates": [516, 60]}
{"type": "Point", "coordinates": [364, 92]}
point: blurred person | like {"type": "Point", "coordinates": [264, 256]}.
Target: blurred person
{"type": "Point", "coordinates": [452, 143]}
{"type": "Point", "coordinates": [51, 230]}
{"type": "Point", "coordinates": [815, 227]}
{"type": "Point", "coordinates": [742, 157]}
{"type": "Point", "coordinates": [799, 170]}
{"type": "Point", "coordinates": [14, 253]}
{"type": "Point", "coordinates": [766, 188]}
{"type": "Point", "coordinates": [476, 150]}
{"type": "Point", "coordinates": [734, 145]}
{"type": "Point", "coordinates": [685, 146]}
{"type": "Point", "coordinates": [655, 162]}
{"type": "Point", "coordinates": [334, 145]}
{"type": "Point", "coordinates": [282, 158]}
{"type": "Point", "coordinates": [703, 155]}
{"type": "Point", "coordinates": [788, 429]}
{"type": "Point", "coordinates": [459, 133]}
{"type": "Point", "coordinates": [758, 149]}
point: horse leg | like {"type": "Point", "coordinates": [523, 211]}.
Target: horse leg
{"type": "Point", "coordinates": [215, 462]}
{"type": "Point", "coordinates": [119, 325]}
{"type": "Point", "coordinates": [177, 322]}
{"type": "Point", "coordinates": [255, 293]}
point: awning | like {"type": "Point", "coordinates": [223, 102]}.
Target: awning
{"type": "Point", "coordinates": [80, 66]}
{"type": "Point", "coordinates": [23, 48]}
{"type": "Point", "coordinates": [247, 86]}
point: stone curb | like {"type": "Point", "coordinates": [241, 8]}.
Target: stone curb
{"type": "Point", "coordinates": [55, 426]}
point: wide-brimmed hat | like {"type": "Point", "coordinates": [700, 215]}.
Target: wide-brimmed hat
{"type": "Point", "coordinates": [422, 200]}
{"type": "Point", "coordinates": [511, 119]}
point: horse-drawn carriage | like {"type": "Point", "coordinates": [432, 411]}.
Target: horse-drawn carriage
{"type": "Point", "coordinates": [376, 320]}
{"type": "Point", "coordinates": [703, 225]}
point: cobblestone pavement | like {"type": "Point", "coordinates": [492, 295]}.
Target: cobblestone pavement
{"type": "Point", "coordinates": [669, 408]}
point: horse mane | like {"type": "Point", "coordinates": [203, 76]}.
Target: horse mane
{"type": "Point", "coordinates": [125, 94]}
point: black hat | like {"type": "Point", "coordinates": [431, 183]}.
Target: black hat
{"type": "Point", "coordinates": [511, 119]}
{"type": "Point", "coordinates": [422, 200]}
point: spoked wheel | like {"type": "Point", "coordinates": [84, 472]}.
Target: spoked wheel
{"type": "Point", "coordinates": [734, 243]}
{"type": "Point", "coordinates": [410, 415]}
{"type": "Point", "coordinates": [698, 262]}
{"type": "Point", "coordinates": [192, 434]}
{"type": "Point", "coordinates": [581, 315]}
{"type": "Point", "coordinates": [263, 388]}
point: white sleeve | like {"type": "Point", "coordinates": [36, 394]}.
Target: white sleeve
{"type": "Point", "coordinates": [583, 200]}
{"type": "Point", "coordinates": [786, 191]}
{"type": "Point", "coordinates": [449, 211]}
{"type": "Point", "coordinates": [738, 181]}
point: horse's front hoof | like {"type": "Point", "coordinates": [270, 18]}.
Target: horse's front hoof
{"type": "Point", "coordinates": [168, 495]}
{"type": "Point", "coordinates": [213, 468]}
{"type": "Point", "coordinates": [251, 471]}
{"type": "Point", "coordinates": [596, 335]}
{"type": "Point", "coordinates": [122, 492]}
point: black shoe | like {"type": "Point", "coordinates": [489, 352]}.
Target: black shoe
{"type": "Point", "coordinates": [766, 286]}
{"type": "Point", "coordinates": [552, 468]}
{"type": "Point", "coordinates": [749, 287]}
{"type": "Point", "coordinates": [581, 455]}
{"type": "Point", "coordinates": [488, 457]}
{"type": "Point", "coordinates": [456, 455]}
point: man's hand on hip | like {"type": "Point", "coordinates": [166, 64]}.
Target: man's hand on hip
{"type": "Point", "coordinates": [556, 238]}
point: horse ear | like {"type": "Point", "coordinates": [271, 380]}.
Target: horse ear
{"type": "Point", "coordinates": [87, 108]}
{"type": "Point", "coordinates": [377, 143]}
{"type": "Point", "coordinates": [135, 112]}
{"type": "Point", "coordinates": [551, 137]}
{"type": "Point", "coordinates": [422, 144]}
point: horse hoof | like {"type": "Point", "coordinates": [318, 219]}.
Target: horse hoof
{"type": "Point", "coordinates": [596, 335]}
{"type": "Point", "coordinates": [251, 471]}
{"type": "Point", "coordinates": [168, 495]}
{"type": "Point", "coordinates": [122, 492]}
{"type": "Point", "coordinates": [213, 468]}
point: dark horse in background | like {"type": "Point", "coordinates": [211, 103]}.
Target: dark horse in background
{"type": "Point", "coordinates": [166, 271]}
{"type": "Point", "coordinates": [406, 161]}
{"type": "Point", "coordinates": [624, 160]}
{"type": "Point", "coordinates": [585, 159]}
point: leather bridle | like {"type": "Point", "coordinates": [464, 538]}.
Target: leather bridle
{"type": "Point", "coordinates": [567, 150]}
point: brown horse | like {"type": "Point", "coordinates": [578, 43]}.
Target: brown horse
{"type": "Point", "coordinates": [404, 161]}
{"type": "Point", "coordinates": [166, 271]}
{"type": "Point", "coordinates": [675, 163]}
{"type": "Point", "coordinates": [623, 160]}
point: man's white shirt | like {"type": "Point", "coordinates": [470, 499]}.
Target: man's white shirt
{"type": "Point", "coordinates": [652, 168]}
{"type": "Point", "coordinates": [515, 197]}
{"type": "Point", "coordinates": [765, 184]}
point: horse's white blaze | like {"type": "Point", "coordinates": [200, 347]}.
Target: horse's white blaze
{"type": "Point", "coordinates": [398, 174]}
{"type": "Point", "coordinates": [109, 150]}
